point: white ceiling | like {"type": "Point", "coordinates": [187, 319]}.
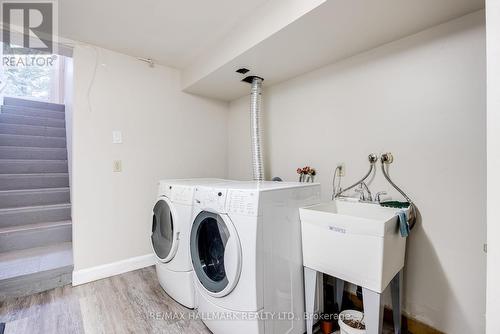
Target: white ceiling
{"type": "Point", "coordinates": [334, 30]}
{"type": "Point", "coordinates": [278, 39]}
{"type": "Point", "coordinates": [170, 32]}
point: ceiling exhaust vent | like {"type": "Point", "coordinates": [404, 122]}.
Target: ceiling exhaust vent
{"type": "Point", "coordinates": [251, 78]}
{"type": "Point", "coordinates": [242, 70]}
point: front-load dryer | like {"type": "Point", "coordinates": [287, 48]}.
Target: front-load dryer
{"type": "Point", "coordinates": [247, 259]}
{"type": "Point", "coordinates": [171, 225]}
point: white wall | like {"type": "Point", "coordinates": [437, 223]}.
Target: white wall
{"type": "Point", "coordinates": [423, 99]}
{"type": "Point", "coordinates": [493, 81]}
{"type": "Point", "coordinates": [166, 134]}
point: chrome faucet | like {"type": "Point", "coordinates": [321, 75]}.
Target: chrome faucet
{"type": "Point", "coordinates": [361, 190]}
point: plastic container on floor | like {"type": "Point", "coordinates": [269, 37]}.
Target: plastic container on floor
{"type": "Point", "coordinates": [350, 315]}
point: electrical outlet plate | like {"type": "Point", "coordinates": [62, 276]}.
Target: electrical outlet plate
{"type": "Point", "coordinates": [341, 169]}
{"type": "Point", "coordinates": [117, 166]}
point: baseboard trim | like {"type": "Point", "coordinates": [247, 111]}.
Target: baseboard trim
{"type": "Point", "coordinates": [111, 269]}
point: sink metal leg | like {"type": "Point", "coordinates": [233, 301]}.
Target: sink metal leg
{"type": "Point", "coordinates": [374, 311]}
{"type": "Point", "coordinates": [396, 296]}
{"type": "Point", "coordinates": [310, 282]}
{"type": "Point", "coordinates": [320, 302]}
{"type": "Point", "coordinates": [339, 292]}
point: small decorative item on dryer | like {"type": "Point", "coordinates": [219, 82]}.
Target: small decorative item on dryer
{"type": "Point", "coordinates": [306, 174]}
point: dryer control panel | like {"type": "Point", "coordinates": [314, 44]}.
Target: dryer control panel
{"type": "Point", "coordinates": [164, 189]}
{"type": "Point", "coordinates": [211, 198]}
{"type": "Point", "coordinates": [243, 202]}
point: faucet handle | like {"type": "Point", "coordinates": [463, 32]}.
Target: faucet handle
{"type": "Point", "coordinates": [377, 195]}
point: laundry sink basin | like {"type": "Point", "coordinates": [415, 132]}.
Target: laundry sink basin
{"type": "Point", "coordinates": [354, 241]}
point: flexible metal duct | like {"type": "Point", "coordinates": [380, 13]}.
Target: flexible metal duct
{"type": "Point", "coordinates": [255, 114]}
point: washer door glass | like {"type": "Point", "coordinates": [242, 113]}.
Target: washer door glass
{"type": "Point", "coordinates": [215, 252]}
{"type": "Point", "coordinates": [162, 236]}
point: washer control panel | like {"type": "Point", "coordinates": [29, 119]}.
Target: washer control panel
{"type": "Point", "coordinates": [211, 198]}
{"type": "Point", "coordinates": [182, 194]}
{"type": "Point", "coordinates": [243, 202]}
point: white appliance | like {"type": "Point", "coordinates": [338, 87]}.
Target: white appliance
{"type": "Point", "coordinates": [171, 225]}
{"type": "Point", "coordinates": [247, 256]}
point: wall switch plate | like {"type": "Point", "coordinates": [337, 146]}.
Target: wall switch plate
{"type": "Point", "coordinates": [117, 166]}
{"type": "Point", "coordinates": [117, 137]}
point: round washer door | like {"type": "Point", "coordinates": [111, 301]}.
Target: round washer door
{"type": "Point", "coordinates": [215, 253]}
{"type": "Point", "coordinates": [164, 233]}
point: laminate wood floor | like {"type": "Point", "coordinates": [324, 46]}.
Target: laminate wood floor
{"type": "Point", "coordinates": [130, 303]}
{"type": "Point", "coordinates": [133, 302]}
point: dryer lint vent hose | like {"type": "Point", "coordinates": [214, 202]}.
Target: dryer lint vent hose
{"type": "Point", "coordinates": [255, 118]}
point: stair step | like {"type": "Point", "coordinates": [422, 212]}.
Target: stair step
{"type": "Point", "coordinates": [34, 214]}
{"type": "Point", "coordinates": [14, 101]}
{"type": "Point", "coordinates": [16, 166]}
{"type": "Point", "coordinates": [33, 181]}
{"type": "Point", "coordinates": [32, 130]}
{"type": "Point", "coordinates": [32, 141]}
{"type": "Point", "coordinates": [34, 112]}
{"type": "Point", "coordinates": [30, 120]}
{"type": "Point", "coordinates": [28, 271]}
{"type": "Point", "coordinates": [34, 235]}
{"type": "Point", "coordinates": [35, 153]}
{"type": "Point", "coordinates": [33, 197]}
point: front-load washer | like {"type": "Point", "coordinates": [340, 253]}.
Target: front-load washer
{"type": "Point", "coordinates": [247, 258]}
{"type": "Point", "coordinates": [171, 225]}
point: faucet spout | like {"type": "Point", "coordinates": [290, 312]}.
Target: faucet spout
{"type": "Point", "coordinates": [368, 192]}
{"type": "Point", "coordinates": [361, 190]}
